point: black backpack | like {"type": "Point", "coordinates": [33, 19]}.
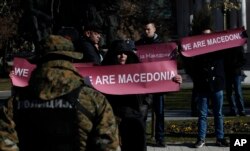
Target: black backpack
{"type": "Point", "coordinates": [49, 125]}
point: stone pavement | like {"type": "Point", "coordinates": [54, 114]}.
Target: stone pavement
{"type": "Point", "coordinates": [188, 147]}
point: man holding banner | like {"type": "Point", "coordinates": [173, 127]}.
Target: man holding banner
{"type": "Point", "coordinates": [151, 37]}
{"type": "Point", "coordinates": [209, 79]}
{"type": "Point", "coordinates": [208, 63]}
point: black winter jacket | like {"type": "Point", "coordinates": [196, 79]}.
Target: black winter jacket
{"type": "Point", "coordinates": [90, 53]}
{"type": "Point", "coordinates": [145, 40]}
{"type": "Point", "coordinates": [208, 72]}
{"type": "Point", "coordinates": [234, 61]}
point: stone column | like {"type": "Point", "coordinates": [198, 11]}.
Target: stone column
{"type": "Point", "coordinates": [233, 19]}
{"type": "Point", "coordinates": [218, 17]}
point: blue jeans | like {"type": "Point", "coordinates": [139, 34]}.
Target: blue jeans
{"type": "Point", "coordinates": [158, 106]}
{"type": "Point", "coordinates": [235, 99]}
{"type": "Point", "coordinates": [217, 98]}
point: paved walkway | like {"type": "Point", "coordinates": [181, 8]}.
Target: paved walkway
{"type": "Point", "coordinates": [188, 147]}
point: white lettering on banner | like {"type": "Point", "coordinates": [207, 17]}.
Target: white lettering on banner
{"type": "Point", "coordinates": [158, 55]}
{"type": "Point", "coordinates": [212, 41]}
{"type": "Point", "coordinates": [105, 79]}
{"type": "Point", "coordinates": [223, 39]}
{"type": "Point", "coordinates": [145, 77]}
{"type": "Point", "coordinates": [187, 46]}
{"type": "Point", "coordinates": [21, 72]}
{"type": "Point", "coordinates": [199, 44]}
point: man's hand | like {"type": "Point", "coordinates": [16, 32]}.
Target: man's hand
{"type": "Point", "coordinates": [177, 79]}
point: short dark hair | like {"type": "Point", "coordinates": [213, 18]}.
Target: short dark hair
{"type": "Point", "coordinates": [149, 21]}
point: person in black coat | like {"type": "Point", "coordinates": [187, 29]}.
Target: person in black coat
{"type": "Point", "coordinates": [234, 61]}
{"type": "Point", "coordinates": [89, 44]}
{"type": "Point", "coordinates": [127, 107]}
{"type": "Point", "coordinates": [151, 37]}
{"type": "Point", "coordinates": [209, 78]}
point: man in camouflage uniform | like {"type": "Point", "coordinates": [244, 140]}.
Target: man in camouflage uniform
{"type": "Point", "coordinates": [52, 84]}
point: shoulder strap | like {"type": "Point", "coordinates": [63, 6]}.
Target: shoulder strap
{"type": "Point", "coordinates": [72, 98]}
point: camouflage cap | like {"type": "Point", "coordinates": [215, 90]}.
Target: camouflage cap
{"type": "Point", "coordinates": [59, 45]}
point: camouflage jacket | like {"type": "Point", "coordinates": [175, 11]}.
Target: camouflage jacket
{"type": "Point", "coordinates": [58, 77]}
{"type": "Point", "coordinates": [8, 135]}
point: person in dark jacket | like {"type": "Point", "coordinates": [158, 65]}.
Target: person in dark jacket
{"type": "Point", "coordinates": [234, 61]}
{"type": "Point", "coordinates": [89, 44]}
{"type": "Point", "coordinates": [188, 63]}
{"type": "Point", "coordinates": [151, 37]}
{"type": "Point", "coordinates": [209, 78]}
{"type": "Point", "coordinates": [127, 107]}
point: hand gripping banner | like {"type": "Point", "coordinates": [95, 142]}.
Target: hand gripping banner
{"type": "Point", "coordinates": [117, 79]}
{"type": "Point", "coordinates": [206, 43]}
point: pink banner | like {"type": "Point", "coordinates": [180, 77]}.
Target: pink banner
{"type": "Point", "coordinates": [22, 71]}
{"type": "Point", "coordinates": [124, 79]}
{"type": "Point", "coordinates": [156, 52]}
{"type": "Point", "coordinates": [206, 43]}
{"type": "Point", "coordinates": [133, 78]}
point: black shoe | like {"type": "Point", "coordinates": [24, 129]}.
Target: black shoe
{"type": "Point", "coordinates": [199, 144]}
{"type": "Point", "coordinates": [160, 144]}
{"type": "Point", "coordinates": [222, 142]}
{"type": "Point", "coordinates": [242, 114]}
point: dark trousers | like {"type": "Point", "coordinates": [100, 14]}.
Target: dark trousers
{"type": "Point", "coordinates": [234, 94]}
{"type": "Point", "coordinates": [158, 107]}
{"type": "Point", "coordinates": [132, 132]}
